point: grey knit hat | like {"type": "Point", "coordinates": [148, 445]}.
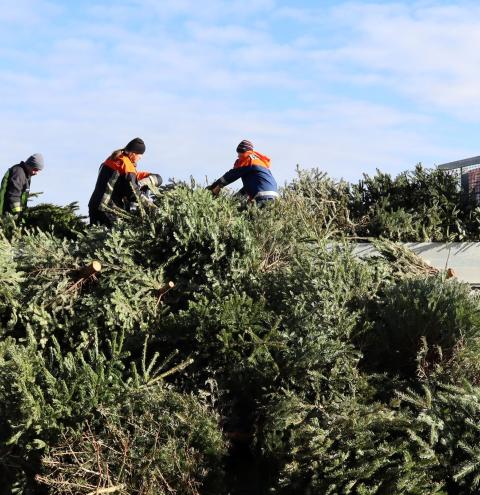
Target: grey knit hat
{"type": "Point", "coordinates": [35, 161]}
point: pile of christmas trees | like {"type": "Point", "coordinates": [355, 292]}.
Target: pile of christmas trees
{"type": "Point", "coordinates": [213, 348]}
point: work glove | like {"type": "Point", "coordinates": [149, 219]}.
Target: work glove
{"type": "Point", "coordinates": [154, 180]}
{"type": "Point", "coordinates": [215, 187]}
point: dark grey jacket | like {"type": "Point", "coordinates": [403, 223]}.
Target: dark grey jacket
{"type": "Point", "coordinates": [14, 189]}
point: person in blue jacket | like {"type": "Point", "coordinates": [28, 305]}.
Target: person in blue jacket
{"type": "Point", "coordinates": [254, 170]}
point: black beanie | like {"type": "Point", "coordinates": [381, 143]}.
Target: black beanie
{"type": "Point", "coordinates": [136, 146]}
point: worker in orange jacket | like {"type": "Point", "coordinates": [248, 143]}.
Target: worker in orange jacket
{"type": "Point", "coordinates": [253, 168]}
{"type": "Point", "coordinates": [118, 183]}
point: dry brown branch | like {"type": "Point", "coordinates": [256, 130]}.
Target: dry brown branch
{"type": "Point", "coordinates": [111, 489]}
{"type": "Point", "coordinates": [163, 290]}
{"type": "Point", "coordinates": [405, 261]}
{"type": "Point", "coordinates": [49, 481]}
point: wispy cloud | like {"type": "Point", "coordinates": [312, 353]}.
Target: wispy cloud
{"type": "Point", "coordinates": [425, 50]}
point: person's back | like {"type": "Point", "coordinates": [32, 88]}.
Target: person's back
{"type": "Point", "coordinates": [254, 170]}
{"type": "Point", "coordinates": [114, 173]}
{"type": "Point", "coordinates": [117, 183]}
{"type": "Point", "coordinates": [15, 185]}
{"type": "Point", "coordinates": [257, 179]}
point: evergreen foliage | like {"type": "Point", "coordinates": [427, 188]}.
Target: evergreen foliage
{"type": "Point", "coordinates": [418, 206]}
{"type": "Point", "coordinates": [422, 205]}
{"type": "Point", "coordinates": [346, 447]}
{"type": "Point", "coordinates": [277, 357]}
{"type": "Point", "coordinates": [416, 314]}
{"type": "Point", "coordinates": [152, 442]}
{"type": "Point", "coordinates": [63, 221]}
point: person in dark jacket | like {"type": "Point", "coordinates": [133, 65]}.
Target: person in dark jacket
{"type": "Point", "coordinates": [254, 170]}
{"type": "Point", "coordinates": [15, 185]}
{"type": "Point", "coordinates": [118, 183]}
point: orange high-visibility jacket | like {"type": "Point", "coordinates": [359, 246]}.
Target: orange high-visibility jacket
{"type": "Point", "coordinates": [116, 184]}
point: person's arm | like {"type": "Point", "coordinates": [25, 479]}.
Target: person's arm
{"type": "Point", "coordinates": [15, 186]}
{"type": "Point", "coordinates": [151, 180]}
{"type": "Point", "coordinates": [137, 185]}
{"type": "Point", "coordinates": [142, 175]}
{"type": "Point", "coordinates": [231, 176]}
{"type": "Point", "coordinates": [132, 180]}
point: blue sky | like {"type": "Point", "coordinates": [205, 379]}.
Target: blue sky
{"type": "Point", "coordinates": [344, 86]}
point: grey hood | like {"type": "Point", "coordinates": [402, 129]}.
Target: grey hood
{"type": "Point", "coordinates": [35, 161]}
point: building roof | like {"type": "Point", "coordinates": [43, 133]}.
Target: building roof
{"type": "Point", "coordinates": [466, 162]}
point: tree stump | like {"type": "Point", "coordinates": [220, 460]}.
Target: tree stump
{"type": "Point", "coordinates": [92, 269]}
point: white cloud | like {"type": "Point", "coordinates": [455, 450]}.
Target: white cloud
{"type": "Point", "coordinates": [27, 13]}
{"type": "Point", "coordinates": [425, 51]}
